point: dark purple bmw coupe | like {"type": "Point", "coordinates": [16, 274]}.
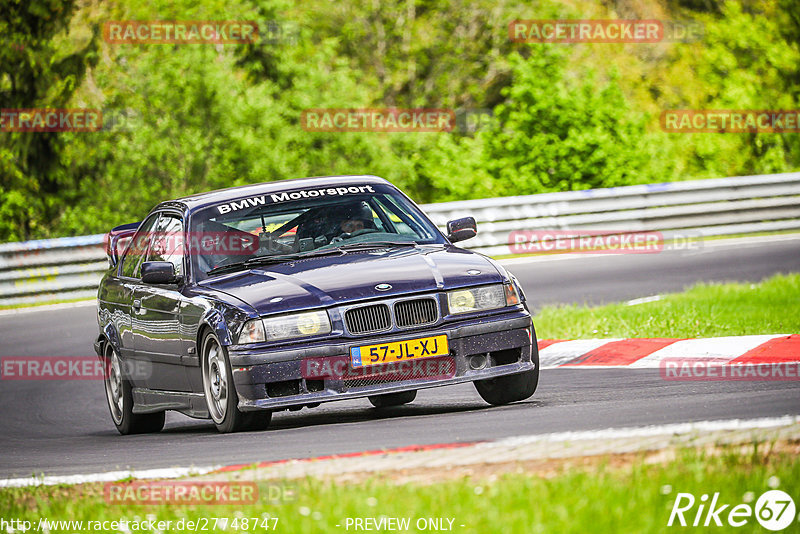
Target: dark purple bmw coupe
{"type": "Point", "coordinates": [232, 304]}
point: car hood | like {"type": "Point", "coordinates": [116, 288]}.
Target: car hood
{"type": "Point", "coordinates": [333, 280]}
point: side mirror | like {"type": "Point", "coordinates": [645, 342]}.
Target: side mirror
{"type": "Point", "coordinates": [461, 229]}
{"type": "Point", "coordinates": [158, 272]}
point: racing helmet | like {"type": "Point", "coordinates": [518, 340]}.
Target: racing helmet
{"type": "Point", "coordinates": [357, 211]}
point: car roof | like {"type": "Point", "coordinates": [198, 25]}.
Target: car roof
{"type": "Point", "coordinates": [202, 200]}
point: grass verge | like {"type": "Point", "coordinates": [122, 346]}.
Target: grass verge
{"type": "Point", "coordinates": [705, 310]}
{"type": "Point", "coordinates": [43, 303]}
{"type": "Point", "coordinates": [605, 496]}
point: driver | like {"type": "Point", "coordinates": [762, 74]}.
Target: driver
{"type": "Point", "coordinates": [356, 218]}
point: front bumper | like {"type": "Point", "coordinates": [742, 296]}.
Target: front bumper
{"type": "Point", "coordinates": [505, 344]}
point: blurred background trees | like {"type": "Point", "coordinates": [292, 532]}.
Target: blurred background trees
{"type": "Point", "coordinates": [184, 118]}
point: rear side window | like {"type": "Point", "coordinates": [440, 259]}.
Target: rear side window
{"type": "Point", "coordinates": [138, 248]}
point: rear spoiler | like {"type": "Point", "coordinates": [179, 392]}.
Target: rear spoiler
{"type": "Point", "coordinates": [119, 233]}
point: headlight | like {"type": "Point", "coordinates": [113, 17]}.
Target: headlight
{"type": "Point", "coordinates": [297, 325]}
{"type": "Point", "coordinates": [476, 298]}
{"type": "Point", "coordinates": [482, 298]}
{"type": "Point", "coordinates": [252, 332]}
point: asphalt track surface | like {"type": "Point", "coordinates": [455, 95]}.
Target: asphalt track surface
{"type": "Point", "coordinates": [63, 427]}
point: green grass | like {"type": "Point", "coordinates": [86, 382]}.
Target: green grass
{"type": "Point", "coordinates": [705, 310]}
{"type": "Point", "coordinates": [43, 303]}
{"type": "Point", "coordinates": [606, 497]}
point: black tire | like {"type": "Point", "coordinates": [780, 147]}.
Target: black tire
{"type": "Point", "coordinates": [259, 420]}
{"type": "Point", "coordinates": [119, 395]}
{"type": "Point", "coordinates": [220, 391]}
{"type": "Point", "coordinates": [393, 399]}
{"type": "Point", "coordinates": [507, 389]}
{"type": "Point", "coordinates": [511, 388]}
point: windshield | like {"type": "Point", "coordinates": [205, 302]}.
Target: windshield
{"type": "Point", "coordinates": [276, 227]}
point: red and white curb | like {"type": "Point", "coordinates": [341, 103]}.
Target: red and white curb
{"type": "Point", "coordinates": [650, 353]}
{"type": "Point", "coordinates": [511, 449]}
{"type": "Point", "coordinates": [522, 448]}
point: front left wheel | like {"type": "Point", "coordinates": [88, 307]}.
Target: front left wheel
{"type": "Point", "coordinates": [220, 393]}
{"type": "Point", "coordinates": [511, 388]}
{"type": "Point", "coordinates": [119, 394]}
{"type": "Point", "coordinates": [507, 389]}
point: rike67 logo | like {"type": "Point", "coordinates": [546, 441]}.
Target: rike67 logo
{"type": "Point", "coordinates": [774, 510]}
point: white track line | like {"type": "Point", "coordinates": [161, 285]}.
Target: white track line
{"type": "Point", "coordinates": [110, 476]}
{"type": "Point", "coordinates": [646, 431]}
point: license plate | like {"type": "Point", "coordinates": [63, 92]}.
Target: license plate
{"type": "Point", "coordinates": [395, 351]}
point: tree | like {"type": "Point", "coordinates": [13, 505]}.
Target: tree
{"type": "Point", "coordinates": [559, 133]}
{"type": "Point", "coordinates": [38, 69]}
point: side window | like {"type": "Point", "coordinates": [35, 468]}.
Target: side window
{"type": "Point", "coordinates": [167, 242]}
{"type": "Point", "coordinates": [138, 248]}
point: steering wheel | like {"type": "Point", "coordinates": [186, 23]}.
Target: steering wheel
{"type": "Point", "coordinates": [347, 235]}
{"type": "Point", "coordinates": [363, 231]}
{"type": "Point", "coordinates": [267, 245]}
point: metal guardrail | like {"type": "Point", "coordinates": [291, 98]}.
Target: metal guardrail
{"type": "Point", "coordinates": [715, 207]}
{"type": "Point", "coordinates": [70, 268]}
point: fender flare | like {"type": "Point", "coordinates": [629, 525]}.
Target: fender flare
{"type": "Point", "coordinates": [215, 321]}
{"type": "Point", "coordinates": [109, 334]}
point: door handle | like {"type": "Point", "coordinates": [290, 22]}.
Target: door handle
{"type": "Point", "coordinates": [137, 304]}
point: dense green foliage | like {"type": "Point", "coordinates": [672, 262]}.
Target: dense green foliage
{"type": "Point", "coordinates": [183, 118]}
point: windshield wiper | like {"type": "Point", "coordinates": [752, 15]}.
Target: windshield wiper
{"type": "Point", "coordinates": [366, 245]}
{"type": "Point", "coordinates": [258, 260]}
{"type": "Point", "coordinates": [282, 258]}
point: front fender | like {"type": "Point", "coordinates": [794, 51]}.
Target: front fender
{"type": "Point", "coordinates": [214, 320]}
{"type": "Point", "coordinates": [109, 335]}
{"type": "Point", "coordinates": [224, 321]}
